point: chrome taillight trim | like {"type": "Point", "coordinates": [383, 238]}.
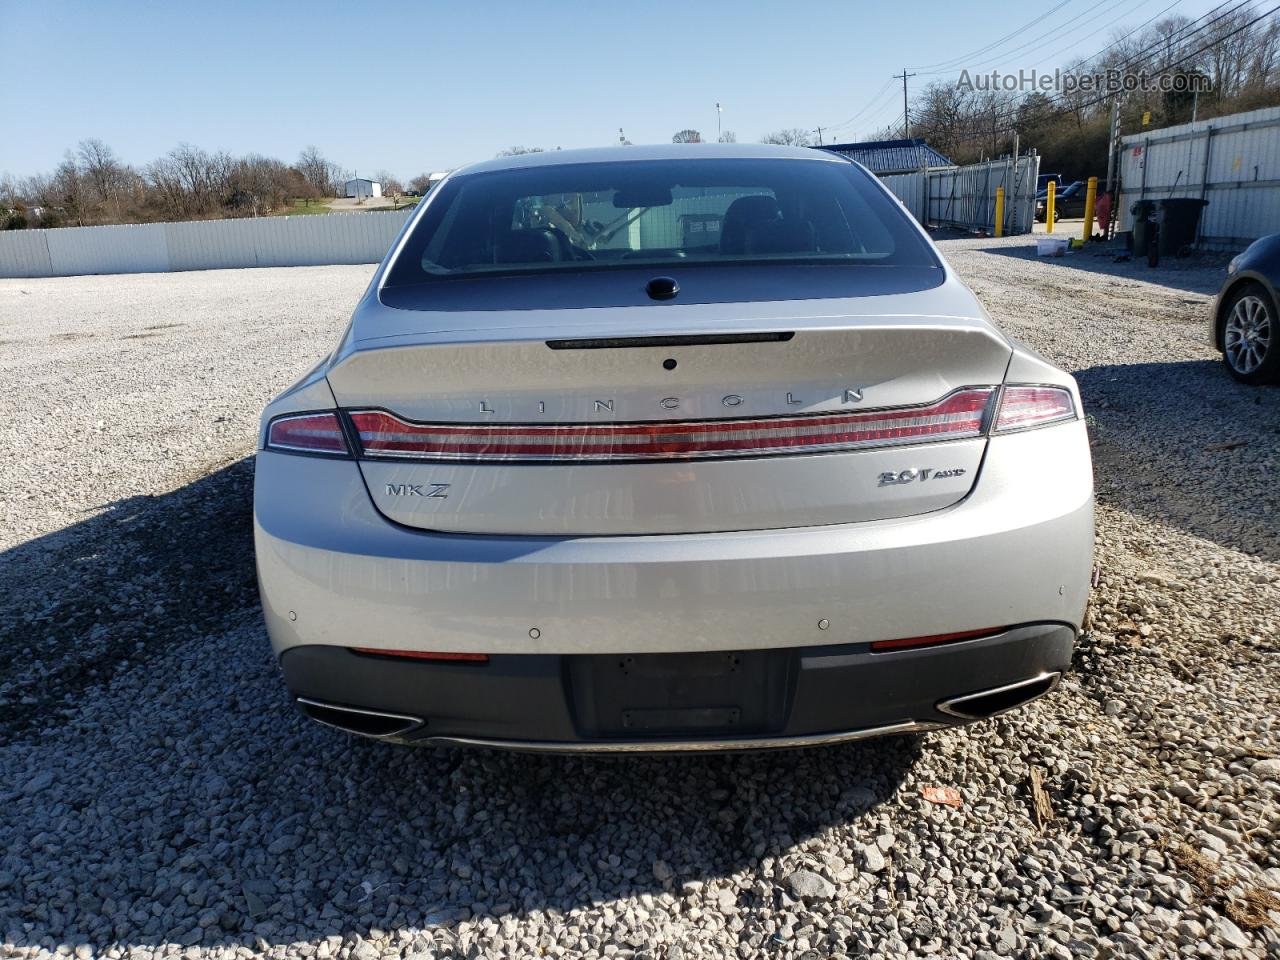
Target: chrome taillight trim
{"type": "Point", "coordinates": [961, 414]}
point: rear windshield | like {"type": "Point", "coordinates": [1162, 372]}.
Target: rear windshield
{"type": "Point", "coordinates": [655, 213]}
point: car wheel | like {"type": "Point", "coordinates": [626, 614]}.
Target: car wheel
{"type": "Point", "coordinates": [1250, 331]}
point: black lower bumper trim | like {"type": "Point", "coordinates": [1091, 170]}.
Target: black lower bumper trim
{"type": "Point", "coordinates": [753, 699]}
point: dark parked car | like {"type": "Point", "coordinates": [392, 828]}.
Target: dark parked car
{"type": "Point", "coordinates": [1042, 182]}
{"type": "Point", "coordinates": [1245, 321]}
{"type": "Point", "coordinates": [1068, 202]}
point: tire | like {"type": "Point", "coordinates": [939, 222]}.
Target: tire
{"type": "Point", "coordinates": [1251, 335]}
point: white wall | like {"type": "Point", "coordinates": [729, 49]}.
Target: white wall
{"type": "Point", "coordinates": [1233, 162]}
{"type": "Point", "coordinates": [201, 245]}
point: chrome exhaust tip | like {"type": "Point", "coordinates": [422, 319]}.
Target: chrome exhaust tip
{"type": "Point", "coordinates": [364, 723]}
{"type": "Point", "coordinates": [997, 700]}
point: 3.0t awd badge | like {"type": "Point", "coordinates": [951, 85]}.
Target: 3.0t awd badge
{"type": "Point", "coordinates": [921, 473]}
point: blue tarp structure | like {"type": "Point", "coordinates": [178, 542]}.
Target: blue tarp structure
{"type": "Point", "coordinates": [891, 156]}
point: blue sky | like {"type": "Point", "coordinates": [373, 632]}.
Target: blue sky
{"type": "Point", "coordinates": [412, 87]}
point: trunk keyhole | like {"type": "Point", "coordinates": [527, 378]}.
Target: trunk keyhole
{"type": "Point", "coordinates": [668, 364]}
{"type": "Point", "coordinates": [662, 288]}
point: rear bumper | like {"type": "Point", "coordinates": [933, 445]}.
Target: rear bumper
{"type": "Point", "coordinates": [333, 571]}
{"type": "Point", "coordinates": [335, 574]}
{"type": "Point", "coordinates": [746, 700]}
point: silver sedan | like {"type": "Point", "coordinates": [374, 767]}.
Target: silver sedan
{"type": "Point", "coordinates": [687, 447]}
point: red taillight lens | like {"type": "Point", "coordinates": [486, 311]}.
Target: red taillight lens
{"type": "Point", "coordinates": [907, 643]}
{"type": "Point", "coordinates": [438, 656]}
{"type": "Point", "coordinates": [307, 433]}
{"type": "Point", "coordinates": [1022, 407]}
{"type": "Point", "coordinates": [955, 417]}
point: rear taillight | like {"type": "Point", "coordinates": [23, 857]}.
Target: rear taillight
{"type": "Point", "coordinates": [955, 417]}
{"type": "Point", "coordinates": [1023, 406]}
{"type": "Point", "coordinates": [308, 433]}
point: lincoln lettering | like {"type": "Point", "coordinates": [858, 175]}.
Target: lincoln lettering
{"type": "Point", "coordinates": [605, 405]}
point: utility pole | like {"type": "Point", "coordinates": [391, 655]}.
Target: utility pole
{"type": "Point", "coordinates": [906, 117]}
{"type": "Point", "coordinates": [819, 136]}
{"type": "Point", "coordinates": [1112, 138]}
{"type": "Point", "coordinates": [718, 121]}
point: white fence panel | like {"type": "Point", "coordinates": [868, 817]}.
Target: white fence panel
{"type": "Point", "coordinates": [201, 245]}
{"type": "Point", "coordinates": [24, 253]}
{"type": "Point", "coordinates": [1233, 162]}
{"type": "Point", "coordinates": [965, 197]}
{"type": "Point", "coordinates": [126, 248]}
{"type": "Point", "coordinates": [910, 189]}
{"type": "Point", "coordinates": [210, 244]}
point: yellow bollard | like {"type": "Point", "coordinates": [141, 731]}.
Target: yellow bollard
{"type": "Point", "coordinates": [1048, 206]}
{"type": "Point", "coordinates": [1090, 197]}
{"type": "Point", "coordinates": [999, 211]}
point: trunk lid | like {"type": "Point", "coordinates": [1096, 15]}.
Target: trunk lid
{"type": "Point", "coordinates": [653, 393]}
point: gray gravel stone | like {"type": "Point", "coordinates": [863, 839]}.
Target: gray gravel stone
{"type": "Point", "coordinates": [807, 885]}
{"type": "Point", "coordinates": [161, 797]}
{"type": "Point", "coordinates": [1268, 769]}
{"type": "Point", "coordinates": [37, 783]}
{"type": "Point", "coordinates": [872, 859]}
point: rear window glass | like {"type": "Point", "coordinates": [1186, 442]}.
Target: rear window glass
{"type": "Point", "coordinates": [593, 216]}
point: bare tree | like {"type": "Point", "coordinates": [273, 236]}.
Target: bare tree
{"type": "Point", "coordinates": [70, 190]}
{"type": "Point", "coordinates": [728, 137]}
{"type": "Point", "coordinates": [687, 135]}
{"type": "Point", "coordinates": [108, 180]}
{"type": "Point", "coordinates": [790, 137]}
{"type": "Point", "coordinates": [191, 183]}
{"type": "Point", "coordinates": [391, 185]}
{"type": "Point", "coordinates": [518, 151]}
{"type": "Point", "coordinates": [38, 191]}
{"type": "Point", "coordinates": [258, 185]}
{"type": "Point", "coordinates": [318, 171]}
{"type": "Point", "coordinates": [10, 191]}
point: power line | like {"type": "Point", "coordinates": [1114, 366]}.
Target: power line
{"type": "Point", "coordinates": [1148, 51]}
{"type": "Point", "coordinates": [1199, 50]}
{"type": "Point", "coordinates": [879, 107]}
{"type": "Point", "coordinates": [1005, 54]}
{"type": "Point", "coordinates": [875, 98]}
{"type": "Point", "coordinates": [1134, 30]}
{"type": "Point", "coordinates": [943, 65]}
{"type": "Point", "coordinates": [1181, 34]}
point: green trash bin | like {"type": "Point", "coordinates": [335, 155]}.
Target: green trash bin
{"type": "Point", "coordinates": [1179, 217]}
{"type": "Point", "coordinates": [1140, 210]}
{"type": "Point", "coordinates": [1180, 220]}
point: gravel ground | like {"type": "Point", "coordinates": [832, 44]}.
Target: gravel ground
{"type": "Point", "coordinates": [159, 796]}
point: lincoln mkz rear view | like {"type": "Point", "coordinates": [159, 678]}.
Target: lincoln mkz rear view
{"type": "Point", "coordinates": [689, 447]}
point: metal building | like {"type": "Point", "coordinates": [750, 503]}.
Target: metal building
{"type": "Point", "coordinates": [1233, 162]}
{"type": "Point", "coordinates": [362, 189]}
